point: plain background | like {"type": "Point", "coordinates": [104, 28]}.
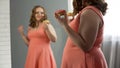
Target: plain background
{"type": "Point", "coordinates": [20, 11]}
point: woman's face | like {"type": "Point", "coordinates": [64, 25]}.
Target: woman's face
{"type": "Point", "coordinates": [39, 14]}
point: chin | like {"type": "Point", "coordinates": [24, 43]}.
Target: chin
{"type": "Point", "coordinates": [38, 19]}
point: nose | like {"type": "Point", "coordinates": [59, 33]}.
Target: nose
{"type": "Point", "coordinates": [40, 13]}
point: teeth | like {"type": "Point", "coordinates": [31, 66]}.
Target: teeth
{"type": "Point", "coordinates": [62, 16]}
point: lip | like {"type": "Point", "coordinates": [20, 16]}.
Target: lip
{"type": "Point", "coordinates": [38, 16]}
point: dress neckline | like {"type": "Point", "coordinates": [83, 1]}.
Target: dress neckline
{"type": "Point", "coordinates": [37, 28]}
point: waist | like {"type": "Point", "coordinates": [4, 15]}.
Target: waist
{"type": "Point", "coordinates": [39, 42]}
{"type": "Point", "coordinates": [95, 51]}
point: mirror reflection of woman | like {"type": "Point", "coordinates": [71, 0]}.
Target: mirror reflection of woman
{"type": "Point", "coordinates": [40, 34]}
{"type": "Point", "coordinates": [85, 34]}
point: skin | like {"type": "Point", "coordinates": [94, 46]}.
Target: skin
{"type": "Point", "coordinates": [21, 31]}
{"type": "Point", "coordinates": [88, 29]}
{"type": "Point", "coordinates": [49, 29]}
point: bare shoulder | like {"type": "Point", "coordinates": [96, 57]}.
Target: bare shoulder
{"type": "Point", "coordinates": [50, 25]}
{"type": "Point", "coordinates": [90, 18]}
{"type": "Point", "coordinates": [90, 14]}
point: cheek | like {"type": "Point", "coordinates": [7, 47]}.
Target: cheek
{"type": "Point", "coordinates": [42, 15]}
{"type": "Point", "coordinates": [35, 16]}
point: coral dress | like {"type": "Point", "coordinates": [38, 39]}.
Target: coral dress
{"type": "Point", "coordinates": [39, 51]}
{"type": "Point", "coordinates": [75, 57]}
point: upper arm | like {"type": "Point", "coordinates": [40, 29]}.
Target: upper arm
{"type": "Point", "coordinates": [89, 25]}
{"type": "Point", "coordinates": [50, 27]}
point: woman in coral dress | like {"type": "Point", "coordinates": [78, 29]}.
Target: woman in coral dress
{"type": "Point", "coordinates": [85, 34]}
{"type": "Point", "coordinates": [40, 33]}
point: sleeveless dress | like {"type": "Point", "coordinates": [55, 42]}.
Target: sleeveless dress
{"type": "Point", "coordinates": [39, 51]}
{"type": "Point", "coordinates": [75, 57]}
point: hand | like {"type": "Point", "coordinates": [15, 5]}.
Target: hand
{"type": "Point", "coordinates": [20, 29]}
{"type": "Point", "coordinates": [61, 16]}
{"type": "Point", "coordinates": [46, 22]}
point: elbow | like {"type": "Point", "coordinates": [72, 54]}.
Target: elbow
{"type": "Point", "coordinates": [86, 47]}
{"type": "Point", "coordinates": [54, 39]}
{"type": "Point", "coordinates": [27, 44]}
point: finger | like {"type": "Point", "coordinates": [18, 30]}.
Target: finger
{"type": "Point", "coordinates": [57, 15]}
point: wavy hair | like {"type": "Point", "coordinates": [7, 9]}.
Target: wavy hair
{"type": "Point", "coordinates": [32, 18]}
{"type": "Point", "coordinates": [78, 5]}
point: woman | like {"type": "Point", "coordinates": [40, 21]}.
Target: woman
{"type": "Point", "coordinates": [85, 34]}
{"type": "Point", "coordinates": [40, 33]}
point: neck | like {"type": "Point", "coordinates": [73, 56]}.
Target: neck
{"type": "Point", "coordinates": [37, 24]}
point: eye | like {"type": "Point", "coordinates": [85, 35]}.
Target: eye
{"type": "Point", "coordinates": [39, 13]}
{"type": "Point", "coordinates": [42, 12]}
{"type": "Point", "coordinates": [36, 12]}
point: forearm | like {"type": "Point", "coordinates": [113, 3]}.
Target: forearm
{"type": "Point", "coordinates": [25, 39]}
{"type": "Point", "coordinates": [51, 33]}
